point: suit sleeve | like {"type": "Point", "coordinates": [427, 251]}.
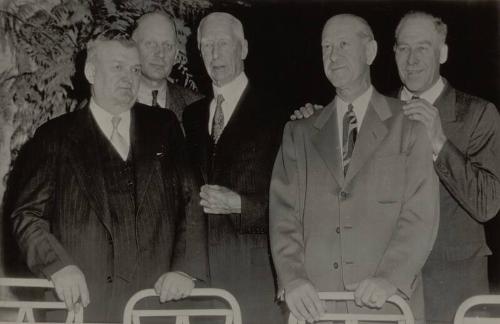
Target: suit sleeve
{"type": "Point", "coordinates": [191, 249]}
{"type": "Point", "coordinates": [285, 223]}
{"type": "Point", "coordinates": [416, 228]}
{"type": "Point", "coordinates": [32, 197]}
{"type": "Point", "coordinates": [473, 176]}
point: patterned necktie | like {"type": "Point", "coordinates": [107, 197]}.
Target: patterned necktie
{"type": "Point", "coordinates": [117, 139]}
{"type": "Point", "coordinates": [349, 134]}
{"type": "Point", "coordinates": [218, 121]}
{"type": "Point", "coordinates": [154, 102]}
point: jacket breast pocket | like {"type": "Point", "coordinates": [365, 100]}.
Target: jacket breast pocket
{"type": "Point", "coordinates": [390, 178]}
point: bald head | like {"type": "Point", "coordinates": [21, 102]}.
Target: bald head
{"type": "Point", "coordinates": [156, 37]}
{"type": "Point", "coordinates": [359, 25]}
{"type": "Point", "coordinates": [152, 21]}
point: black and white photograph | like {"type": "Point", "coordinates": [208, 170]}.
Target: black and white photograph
{"type": "Point", "coordinates": [250, 161]}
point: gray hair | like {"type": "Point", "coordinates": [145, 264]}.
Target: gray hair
{"type": "Point", "coordinates": [237, 26]}
{"type": "Point", "coordinates": [440, 27]}
{"type": "Point", "coordinates": [94, 45]}
{"type": "Point", "coordinates": [365, 31]}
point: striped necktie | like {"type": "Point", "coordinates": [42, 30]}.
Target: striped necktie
{"type": "Point", "coordinates": [218, 121]}
{"type": "Point", "coordinates": [349, 134]}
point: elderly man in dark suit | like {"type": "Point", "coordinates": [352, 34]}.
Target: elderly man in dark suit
{"type": "Point", "coordinates": [353, 200]}
{"type": "Point", "coordinates": [233, 138]}
{"type": "Point", "coordinates": [158, 45]}
{"type": "Point", "coordinates": [104, 204]}
{"type": "Point", "coordinates": [465, 134]}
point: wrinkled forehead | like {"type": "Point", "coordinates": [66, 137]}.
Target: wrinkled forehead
{"type": "Point", "coordinates": [418, 29]}
{"type": "Point", "coordinates": [219, 28]}
{"type": "Point", "coordinates": [112, 51]}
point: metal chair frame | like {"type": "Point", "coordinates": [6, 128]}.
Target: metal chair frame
{"type": "Point", "coordinates": [406, 316]}
{"type": "Point", "coordinates": [232, 314]}
{"type": "Point", "coordinates": [25, 308]}
{"type": "Point", "coordinates": [467, 304]}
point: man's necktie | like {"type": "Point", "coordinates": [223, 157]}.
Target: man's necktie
{"type": "Point", "coordinates": [117, 139]}
{"type": "Point", "coordinates": [154, 102]}
{"type": "Point", "coordinates": [218, 121]}
{"type": "Point", "coordinates": [349, 134]}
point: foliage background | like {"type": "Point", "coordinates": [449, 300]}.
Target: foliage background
{"type": "Point", "coordinates": [40, 40]}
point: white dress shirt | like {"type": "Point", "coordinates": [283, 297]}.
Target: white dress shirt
{"type": "Point", "coordinates": [145, 94]}
{"type": "Point", "coordinates": [103, 119]}
{"type": "Point", "coordinates": [430, 94]}
{"type": "Point", "coordinates": [360, 105]}
{"type": "Point", "coordinates": [232, 93]}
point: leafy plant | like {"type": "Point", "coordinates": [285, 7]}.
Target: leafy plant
{"type": "Point", "coordinates": [46, 37]}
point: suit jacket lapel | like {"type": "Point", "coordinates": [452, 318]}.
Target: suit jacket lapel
{"type": "Point", "coordinates": [144, 145]}
{"type": "Point", "coordinates": [88, 168]}
{"type": "Point", "coordinates": [371, 134]}
{"type": "Point", "coordinates": [327, 141]}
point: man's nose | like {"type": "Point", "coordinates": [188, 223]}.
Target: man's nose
{"type": "Point", "coordinates": [412, 57]}
{"type": "Point", "coordinates": [334, 53]}
{"type": "Point", "coordinates": [215, 52]}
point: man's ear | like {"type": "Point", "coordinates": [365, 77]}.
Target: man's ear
{"type": "Point", "coordinates": [443, 53]}
{"type": "Point", "coordinates": [371, 51]}
{"type": "Point", "coordinates": [244, 49]}
{"type": "Point", "coordinates": [90, 72]}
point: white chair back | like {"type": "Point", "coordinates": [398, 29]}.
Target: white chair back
{"type": "Point", "coordinates": [25, 309]}
{"type": "Point", "coordinates": [232, 314]}
{"type": "Point", "coordinates": [473, 301]}
{"type": "Point", "coordinates": [406, 316]}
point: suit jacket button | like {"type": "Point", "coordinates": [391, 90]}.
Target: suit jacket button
{"type": "Point", "coordinates": [343, 195]}
{"type": "Point", "coordinates": [109, 279]}
{"type": "Point", "coordinates": [335, 265]}
{"type": "Point", "coordinates": [337, 230]}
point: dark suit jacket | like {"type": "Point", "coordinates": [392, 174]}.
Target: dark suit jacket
{"type": "Point", "coordinates": [241, 161]}
{"type": "Point", "coordinates": [468, 167]}
{"type": "Point", "coordinates": [178, 98]}
{"type": "Point", "coordinates": [61, 214]}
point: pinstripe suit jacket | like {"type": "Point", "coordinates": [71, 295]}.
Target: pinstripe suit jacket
{"type": "Point", "coordinates": [241, 161]}
{"type": "Point", "coordinates": [61, 215]}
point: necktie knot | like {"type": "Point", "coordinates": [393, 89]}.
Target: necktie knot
{"type": "Point", "coordinates": [154, 102]}
{"type": "Point", "coordinates": [115, 120]}
{"type": "Point", "coordinates": [415, 97]}
{"type": "Point", "coordinates": [219, 100]}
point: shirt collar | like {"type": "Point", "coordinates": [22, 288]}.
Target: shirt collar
{"type": "Point", "coordinates": [233, 90]}
{"type": "Point", "coordinates": [430, 94]}
{"type": "Point", "coordinates": [360, 105]}
{"type": "Point", "coordinates": [103, 119]}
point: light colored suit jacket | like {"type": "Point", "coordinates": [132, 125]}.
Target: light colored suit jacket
{"type": "Point", "coordinates": [380, 220]}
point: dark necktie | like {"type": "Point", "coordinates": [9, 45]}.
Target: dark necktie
{"type": "Point", "coordinates": [349, 134]}
{"type": "Point", "coordinates": [218, 121]}
{"type": "Point", "coordinates": [154, 102]}
{"type": "Point", "coordinates": [415, 97]}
